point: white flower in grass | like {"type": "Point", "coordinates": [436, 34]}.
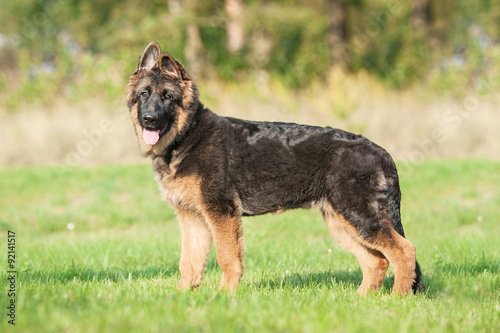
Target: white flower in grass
{"type": "Point", "coordinates": [70, 226]}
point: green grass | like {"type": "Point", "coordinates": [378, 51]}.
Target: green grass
{"type": "Point", "coordinates": [117, 270]}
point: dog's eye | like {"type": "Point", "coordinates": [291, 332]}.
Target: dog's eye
{"type": "Point", "coordinates": [144, 94]}
{"type": "Point", "coordinates": [168, 96]}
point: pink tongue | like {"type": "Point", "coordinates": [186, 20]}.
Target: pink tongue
{"type": "Point", "coordinates": [150, 137]}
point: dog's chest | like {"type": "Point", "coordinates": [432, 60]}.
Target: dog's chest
{"type": "Point", "coordinates": [180, 191]}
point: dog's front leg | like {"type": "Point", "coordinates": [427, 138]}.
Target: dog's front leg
{"type": "Point", "coordinates": [196, 246]}
{"type": "Point", "coordinates": [227, 232]}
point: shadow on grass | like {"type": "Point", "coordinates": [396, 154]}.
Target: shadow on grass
{"type": "Point", "coordinates": [343, 280]}
{"type": "Point", "coordinates": [115, 274]}
{"type": "Point", "coordinates": [436, 278]}
{"type": "Point", "coordinates": [327, 279]}
{"type": "Point", "coordinates": [92, 275]}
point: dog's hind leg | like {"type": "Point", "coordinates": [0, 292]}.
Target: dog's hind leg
{"type": "Point", "coordinates": [227, 232]}
{"type": "Point", "coordinates": [373, 263]}
{"type": "Point", "coordinates": [402, 255]}
{"type": "Point", "coordinates": [196, 246]}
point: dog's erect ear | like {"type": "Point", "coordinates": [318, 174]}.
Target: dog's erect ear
{"type": "Point", "coordinates": [172, 67]}
{"type": "Point", "coordinates": [169, 65]}
{"type": "Point", "coordinates": [149, 57]}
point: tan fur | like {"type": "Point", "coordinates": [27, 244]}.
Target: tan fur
{"type": "Point", "coordinates": [228, 236]}
{"type": "Point", "coordinates": [181, 191]}
{"type": "Point", "coordinates": [196, 246]}
{"type": "Point", "coordinates": [188, 93]}
{"type": "Point", "coordinates": [402, 255]}
{"type": "Point", "coordinates": [374, 257]}
{"type": "Point", "coordinates": [131, 88]}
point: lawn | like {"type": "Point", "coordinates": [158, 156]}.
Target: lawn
{"type": "Point", "coordinates": [97, 251]}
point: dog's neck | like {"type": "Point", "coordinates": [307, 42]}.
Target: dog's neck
{"type": "Point", "coordinates": [193, 119]}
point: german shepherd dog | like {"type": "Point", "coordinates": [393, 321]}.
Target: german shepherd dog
{"type": "Point", "coordinates": [214, 170]}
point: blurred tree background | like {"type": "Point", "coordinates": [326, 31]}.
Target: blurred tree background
{"type": "Point", "coordinates": [75, 48]}
{"type": "Point", "coordinates": [419, 77]}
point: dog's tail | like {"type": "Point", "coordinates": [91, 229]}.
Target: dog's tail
{"type": "Point", "coordinates": [394, 210]}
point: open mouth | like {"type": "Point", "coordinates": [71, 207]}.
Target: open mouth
{"type": "Point", "coordinates": [151, 136]}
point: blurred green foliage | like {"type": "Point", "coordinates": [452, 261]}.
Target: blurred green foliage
{"type": "Point", "coordinates": [76, 48]}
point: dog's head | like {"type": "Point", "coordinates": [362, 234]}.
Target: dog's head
{"type": "Point", "coordinates": [162, 98]}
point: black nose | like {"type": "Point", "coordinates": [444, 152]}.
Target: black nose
{"type": "Point", "coordinates": [149, 119]}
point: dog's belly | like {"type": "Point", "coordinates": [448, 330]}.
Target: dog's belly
{"type": "Point", "coordinates": [274, 195]}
